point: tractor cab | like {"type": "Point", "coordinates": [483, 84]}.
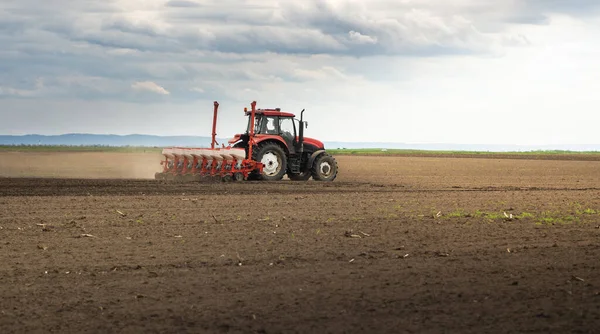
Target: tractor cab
{"type": "Point", "coordinates": [284, 127]}
{"type": "Point", "coordinates": [273, 122]}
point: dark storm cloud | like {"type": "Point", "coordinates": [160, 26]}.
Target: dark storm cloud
{"type": "Point", "coordinates": [315, 27]}
{"type": "Point", "coordinates": [311, 28]}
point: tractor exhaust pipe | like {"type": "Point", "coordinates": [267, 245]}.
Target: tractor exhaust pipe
{"type": "Point", "coordinates": [214, 128]}
{"type": "Point", "coordinates": [301, 133]}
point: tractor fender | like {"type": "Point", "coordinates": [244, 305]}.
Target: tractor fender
{"type": "Point", "coordinates": [313, 157]}
{"type": "Point", "coordinates": [277, 139]}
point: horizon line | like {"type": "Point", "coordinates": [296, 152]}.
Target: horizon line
{"type": "Point", "coordinates": [330, 141]}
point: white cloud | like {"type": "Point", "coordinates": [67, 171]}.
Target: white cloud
{"type": "Point", "coordinates": [411, 70]}
{"type": "Point", "coordinates": [360, 38]}
{"type": "Point", "coordinates": [150, 87]}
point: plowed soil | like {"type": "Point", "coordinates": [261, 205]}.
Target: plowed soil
{"type": "Point", "coordinates": [89, 243]}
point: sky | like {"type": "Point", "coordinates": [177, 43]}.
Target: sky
{"type": "Point", "coordinates": [411, 71]}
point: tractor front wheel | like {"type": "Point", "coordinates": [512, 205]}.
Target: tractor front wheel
{"type": "Point", "coordinates": [273, 157]}
{"type": "Point", "coordinates": [324, 168]}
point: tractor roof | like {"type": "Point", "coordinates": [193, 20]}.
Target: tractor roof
{"type": "Point", "coordinates": [272, 112]}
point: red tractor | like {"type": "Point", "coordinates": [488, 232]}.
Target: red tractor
{"type": "Point", "coordinates": [272, 146]}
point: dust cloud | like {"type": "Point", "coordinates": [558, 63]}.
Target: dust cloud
{"type": "Point", "coordinates": [84, 165]}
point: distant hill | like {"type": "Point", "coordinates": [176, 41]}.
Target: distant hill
{"type": "Point", "coordinates": [82, 139]}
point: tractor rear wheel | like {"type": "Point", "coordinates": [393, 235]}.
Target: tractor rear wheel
{"type": "Point", "coordinates": [324, 168]}
{"type": "Point", "coordinates": [273, 157]}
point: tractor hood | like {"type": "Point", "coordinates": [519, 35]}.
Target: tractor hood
{"type": "Point", "coordinates": [319, 144]}
{"type": "Point", "coordinates": [260, 137]}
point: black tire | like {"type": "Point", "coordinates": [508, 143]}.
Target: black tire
{"type": "Point", "coordinates": [272, 171]}
{"type": "Point", "coordinates": [305, 176]}
{"type": "Point", "coordinates": [324, 168]}
{"type": "Point", "coordinates": [253, 176]}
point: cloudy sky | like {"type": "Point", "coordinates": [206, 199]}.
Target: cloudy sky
{"type": "Point", "coordinates": [414, 71]}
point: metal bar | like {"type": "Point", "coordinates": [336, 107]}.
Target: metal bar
{"type": "Point", "coordinates": [214, 128]}
{"type": "Point", "coordinates": [251, 133]}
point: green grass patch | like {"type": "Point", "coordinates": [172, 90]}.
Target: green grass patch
{"type": "Point", "coordinates": [458, 213]}
{"type": "Point", "coordinates": [556, 218]}
{"type": "Point", "coordinates": [580, 210]}
{"type": "Point", "coordinates": [525, 215]}
{"type": "Point", "coordinates": [381, 151]}
{"type": "Point", "coordinates": [589, 211]}
{"type": "Point", "coordinates": [493, 215]}
{"type": "Point", "coordinates": [490, 216]}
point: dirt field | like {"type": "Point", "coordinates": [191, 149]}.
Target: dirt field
{"type": "Point", "coordinates": [395, 244]}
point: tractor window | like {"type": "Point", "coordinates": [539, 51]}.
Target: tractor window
{"type": "Point", "coordinates": [270, 126]}
{"type": "Point", "coordinates": [257, 126]}
{"type": "Point", "coordinates": [266, 125]}
{"type": "Point", "coordinates": [287, 128]}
